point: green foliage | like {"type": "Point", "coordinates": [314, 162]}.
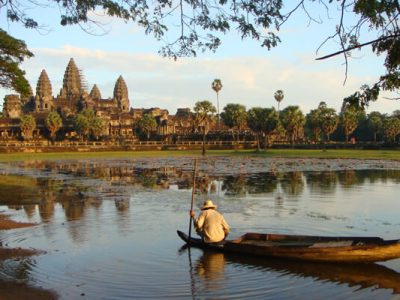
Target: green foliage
{"type": "Point", "coordinates": [349, 119]}
{"type": "Point", "coordinates": [216, 85]}
{"type": "Point", "coordinates": [255, 119]}
{"type": "Point", "coordinates": [147, 124]}
{"type": "Point", "coordinates": [375, 122]}
{"type": "Point", "coordinates": [293, 121]}
{"type": "Point", "coordinates": [53, 123]}
{"type": "Point", "coordinates": [82, 125]}
{"type": "Point", "coordinates": [87, 123]}
{"type": "Point", "coordinates": [329, 119]}
{"type": "Point", "coordinates": [234, 116]}
{"type": "Point", "coordinates": [381, 18]}
{"type": "Point", "coordinates": [204, 110]}
{"type": "Point", "coordinates": [27, 125]}
{"type": "Point", "coordinates": [12, 54]}
{"type": "Point", "coordinates": [391, 128]}
{"type": "Point", "coordinates": [263, 122]}
{"type": "Point", "coordinates": [314, 123]}
{"type": "Point", "coordinates": [279, 95]}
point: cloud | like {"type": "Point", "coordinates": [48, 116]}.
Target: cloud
{"type": "Point", "coordinates": [154, 81]}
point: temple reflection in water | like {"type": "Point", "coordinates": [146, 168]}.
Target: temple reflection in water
{"type": "Point", "coordinates": [79, 185]}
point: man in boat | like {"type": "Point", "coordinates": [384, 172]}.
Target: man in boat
{"type": "Point", "coordinates": [210, 224]}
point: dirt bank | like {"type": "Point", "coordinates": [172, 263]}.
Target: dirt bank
{"type": "Point", "coordinates": [21, 291]}
{"type": "Point", "coordinates": [6, 223]}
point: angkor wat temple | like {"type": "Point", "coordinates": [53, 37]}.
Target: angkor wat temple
{"type": "Point", "coordinates": [73, 97]}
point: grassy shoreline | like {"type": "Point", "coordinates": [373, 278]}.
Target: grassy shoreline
{"type": "Point", "coordinates": [281, 153]}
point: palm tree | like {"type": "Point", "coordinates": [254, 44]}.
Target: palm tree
{"type": "Point", "coordinates": [271, 125]}
{"type": "Point", "coordinates": [375, 122]}
{"type": "Point", "coordinates": [53, 123]}
{"type": "Point", "coordinates": [204, 111]}
{"type": "Point", "coordinates": [263, 122]}
{"type": "Point", "coordinates": [82, 122]}
{"type": "Point", "coordinates": [279, 97]}
{"type": "Point", "coordinates": [329, 119]}
{"type": "Point", "coordinates": [293, 121]}
{"type": "Point", "coordinates": [98, 127]}
{"type": "Point", "coordinates": [27, 125]}
{"type": "Point", "coordinates": [254, 121]}
{"type": "Point", "coordinates": [391, 127]}
{"type": "Point", "coordinates": [216, 85]}
{"type": "Point", "coordinates": [349, 119]}
{"type": "Point", "coordinates": [314, 123]}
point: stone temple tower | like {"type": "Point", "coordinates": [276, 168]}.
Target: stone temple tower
{"type": "Point", "coordinates": [72, 83]}
{"type": "Point", "coordinates": [12, 106]}
{"type": "Point", "coordinates": [121, 95]}
{"type": "Point", "coordinates": [43, 98]}
{"type": "Point", "coordinates": [95, 93]}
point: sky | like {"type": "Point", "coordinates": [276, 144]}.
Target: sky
{"type": "Point", "coordinates": [250, 74]}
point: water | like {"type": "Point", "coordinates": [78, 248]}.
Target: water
{"type": "Point", "coordinates": [109, 226]}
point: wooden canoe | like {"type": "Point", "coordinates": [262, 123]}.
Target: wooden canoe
{"type": "Point", "coordinates": [311, 248]}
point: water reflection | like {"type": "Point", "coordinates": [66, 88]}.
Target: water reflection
{"type": "Point", "coordinates": [362, 275]}
{"type": "Point", "coordinates": [76, 195]}
{"type": "Point", "coordinates": [292, 183]}
{"type": "Point", "coordinates": [211, 268]}
{"type": "Point", "coordinates": [115, 222]}
{"type": "Point", "coordinates": [239, 185]}
{"type": "Point", "coordinates": [324, 182]}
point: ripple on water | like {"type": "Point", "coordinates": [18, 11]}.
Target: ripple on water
{"type": "Point", "coordinates": [122, 243]}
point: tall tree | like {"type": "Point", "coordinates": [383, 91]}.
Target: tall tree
{"type": "Point", "coordinates": [82, 125]}
{"type": "Point", "coordinates": [12, 54]}
{"type": "Point", "coordinates": [330, 119]}
{"type": "Point", "coordinates": [279, 97]}
{"type": "Point", "coordinates": [235, 117]}
{"type": "Point", "coordinates": [204, 111]}
{"type": "Point", "coordinates": [147, 124]}
{"type": "Point", "coordinates": [255, 122]}
{"type": "Point", "coordinates": [293, 121]}
{"type": "Point", "coordinates": [314, 123]}
{"type": "Point", "coordinates": [98, 127]}
{"type": "Point", "coordinates": [349, 119]}
{"type": "Point", "coordinates": [216, 85]}
{"type": "Point", "coordinates": [27, 125]}
{"type": "Point", "coordinates": [270, 124]}
{"type": "Point", "coordinates": [391, 128]}
{"type": "Point", "coordinates": [264, 123]}
{"type": "Point", "coordinates": [53, 123]}
{"type": "Point", "coordinates": [375, 123]}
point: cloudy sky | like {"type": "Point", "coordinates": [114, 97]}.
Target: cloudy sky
{"type": "Point", "coordinates": [250, 74]}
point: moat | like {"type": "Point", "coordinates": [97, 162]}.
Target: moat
{"type": "Point", "coordinates": [108, 226]}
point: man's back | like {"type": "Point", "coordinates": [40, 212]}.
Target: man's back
{"type": "Point", "coordinates": [212, 225]}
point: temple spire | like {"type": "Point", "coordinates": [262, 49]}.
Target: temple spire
{"type": "Point", "coordinates": [95, 93]}
{"type": "Point", "coordinates": [43, 86]}
{"type": "Point", "coordinates": [72, 83]}
{"type": "Point", "coordinates": [121, 94]}
{"type": "Point", "coordinates": [120, 89]}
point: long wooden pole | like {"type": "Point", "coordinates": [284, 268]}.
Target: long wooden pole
{"type": "Point", "coordinates": [193, 192]}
